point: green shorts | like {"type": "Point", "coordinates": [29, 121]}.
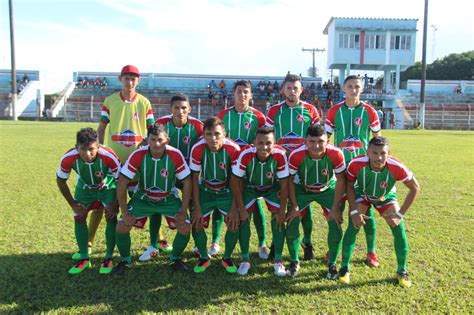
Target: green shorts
{"type": "Point", "coordinates": [88, 196]}
{"type": "Point", "coordinates": [325, 199]}
{"type": "Point", "coordinates": [271, 197]}
{"type": "Point", "coordinates": [141, 206]}
{"type": "Point", "coordinates": [387, 201]}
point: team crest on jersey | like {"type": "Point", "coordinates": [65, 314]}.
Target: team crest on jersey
{"type": "Point", "coordinates": [325, 172]}
{"type": "Point", "coordinates": [247, 125]}
{"type": "Point", "coordinates": [300, 118]}
{"type": "Point", "coordinates": [127, 138]}
{"type": "Point", "coordinates": [383, 185]}
{"type": "Point", "coordinates": [164, 173]}
{"type": "Point", "coordinates": [135, 116]}
{"type": "Point", "coordinates": [269, 175]}
{"type": "Point", "coordinates": [99, 174]}
{"type": "Point", "coordinates": [358, 121]}
{"type": "Point", "coordinates": [186, 140]}
{"type": "Point", "coordinates": [222, 165]}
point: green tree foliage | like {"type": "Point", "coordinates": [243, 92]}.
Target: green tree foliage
{"type": "Point", "coordinates": [451, 67]}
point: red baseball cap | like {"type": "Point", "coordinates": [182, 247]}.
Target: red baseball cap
{"type": "Point", "coordinates": [129, 69]}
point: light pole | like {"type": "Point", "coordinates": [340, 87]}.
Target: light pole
{"type": "Point", "coordinates": [314, 51]}
{"type": "Point", "coordinates": [423, 68]}
{"type": "Point", "coordinates": [12, 45]}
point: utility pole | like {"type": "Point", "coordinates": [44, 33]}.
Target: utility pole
{"type": "Point", "coordinates": [423, 67]}
{"type": "Point", "coordinates": [314, 51]}
{"type": "Point", "coordinates": [12, 46]}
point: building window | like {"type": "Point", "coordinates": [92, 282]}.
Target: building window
{"type": "Point", "coordinates": [373, 41]}
{"type": "Point", "coordinates": [349, 41]}
{"type": "Point", "coordinates": [400, 42]}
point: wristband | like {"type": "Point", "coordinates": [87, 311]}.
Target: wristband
{"type": "Point", "coordinates": [354, 212]}
{"type": "Point", "coordinates": [399, 214]}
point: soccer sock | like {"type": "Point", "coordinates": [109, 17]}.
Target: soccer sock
{"type": "Point", "coordinates": [369, 229]}
{"type": "Point", "coordinates": [401, 246]}
{"type": "Point", "coordinates": [179, 244]}
{"type": "Point", "coordinates": [82, 236]}
{"type": "Point", "coordinates": [278, 238]}
{"type": "Point", "coordinates": [307, 223]}
{"type": "Point", "coordinates": [348, 244]}
{"type": "Point", "coordinates": [124, 242]}
{"type": "Point", "coordinates": [293, 239]}
{"type": "Point", "coordinates": [110, 239]}
{"type": "Point", "coordinates": [155, 224]}
{"type": "Point", "coordinates": [260, 221]}
{"type": "Point", "coordinates": [244, 238]}
{"type": "Point", "coordinates": [231, 239]}
{"type": "Point", "coordinates": [334, 241]}
{"type": "Point", "coordinates": [200, 239]}
{"type": "Point", "coordinates": [94, 222]}
{"type": "Point", "coordinates": [217, 221]}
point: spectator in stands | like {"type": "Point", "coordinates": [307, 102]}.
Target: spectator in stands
{"type": "Point", "coordinates": [104, 84]}
{"type": "Point", "coordinates": [458, 90]}
{"type": "Point", "coordinates": [222, 84]}
{"type": "Point", "coordinates": [210, 93]}
{"type": "Point", "coordinates": [392, 119]}
{"type": "Point", "coordinates": [212, 85]}
{"type": "Point", "coordinates": [224, 97]}
{"type": "Point", "coordinates": [269, 88]}
{"type": "Point", "coordinates": [380, 114]}
{"type": "Point", "coordinates": [25, 80]}
{"type": "Point", "coordinates": [276, 86]}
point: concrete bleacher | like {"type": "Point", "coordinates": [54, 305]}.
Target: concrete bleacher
{"type": "Point", "coordinates": [27, 98]}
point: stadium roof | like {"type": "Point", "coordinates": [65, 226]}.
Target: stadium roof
{"type": "Point", "coordinates": [372, 24]}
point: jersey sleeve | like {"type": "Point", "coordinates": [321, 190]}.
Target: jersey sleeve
{"type": "Point", "coordinates": [352, 170]}
{"type": "Point", "coordinates": [399, 170]}
{"type": "Point", "coordinates": [374, 119]}
{"type": "Point", "coordinates": [131, 166]}
{"type": "Point", "coordinates": [196, 156]}
{"type": "Point", "coordinates": [329, 123]}
{"type": "Point", "coordinates": [271, 116]}
{"type": "Point", "coordinates": [105, 113]}
{"type": "Point", "coordinates": [182, 169]}
{"type": "Point", "coordinates": [261, 119]}
{"type": "Point", "coordinates": [149, 115]}
{"type": "Point", "coordinates": [111, 160]}
{"type": "Point", "coordinates": [282, 164]}
{"type": "Point", "coordinates": [337, 159]}
{"type": "Point", "coordinates": [294, 160]}
{"type": "Point", "coordinates": [315, 119]}
{"type": "Point", "coordinates": [239, 168]}
{"type": "Point", "coordinates": [65, 165]}
{"type": "Point", "coordinates": [199, 127]}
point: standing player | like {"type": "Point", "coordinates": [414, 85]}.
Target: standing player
{"type": "Point", "coordinates": [351, 122]}
{"type": "Point", "coordinates": [183, 131]}
{"type": "Point", "coordinates": [158, 165]}
{"type": "Point", "coordinates": [262, 171]}
{"type": "Point", "coordinates": [241, 122]}
{"type": "Point", "coordinates": [371, 180]}
{"type": "Point", "coordinates": [211, 161]}
{"type": "Point", "coordinates": [128, 114]}
{"type": "Point", "coordinates": [97, 168]}
{"type": "Point", "coordinates": [321, 177]}
{"type": "Point", "coordinates": [291, 118]}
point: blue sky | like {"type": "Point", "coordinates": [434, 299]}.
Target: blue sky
{"type": "Point", "coordinates": [199, 36]}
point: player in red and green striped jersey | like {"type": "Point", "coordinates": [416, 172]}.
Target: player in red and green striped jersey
{"type": "Point", "coordinates": [97, 168]}
{"type": "Point", "coordinates": [371, 180]}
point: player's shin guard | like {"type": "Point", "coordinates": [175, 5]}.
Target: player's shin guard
{"type": "Point", "coordinates": [82, 236]}
{"type": "Point", "coordinates": [155, 224]}
{"type": "Point", "coordinates": [401, 246]}
{"type": "Point", "coordinates": [348, 244]}
{"type": "Point", "coordinates": [217, 222]}
{"type": "Point", "coordinates": [123, 243]}
{"type": "Point", "coordinates": [278, 239]}
{"type": "Point", "coordinates": [370, 228]}
{"type": "Point", "coordinates": [200, 239]}
{"type": "Point", "coordinates": [110, 239]}
{"type": "Point", "coordinates": [260, 221]}
{"type": "Point", "coordinates": [179, 245]}
{"type": "Point", "coordinates": [244, 238]}
{"type": "Point", "coordinates": [307, 223]}
{"type": "Point", "coordinates": [231, 238]}
{"type": "Point", "coordinates": [334, 241]}
{"type": "Point", "coordinates": [293, 239]}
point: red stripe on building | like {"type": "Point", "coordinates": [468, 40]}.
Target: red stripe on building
{"type": "Point", "coordinates": [362, 46]}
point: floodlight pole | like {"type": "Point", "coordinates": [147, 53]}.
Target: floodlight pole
{"type": "Point", "coordinates": [313, 51]}
{"type": "Point", "coordinates": [13, 76]}
{"type": "Point", "coordinates": [423, 68]}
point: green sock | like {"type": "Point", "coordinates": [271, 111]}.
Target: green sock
{"type": "Point", "coordinates": [217, 222]}
{"type": "Point", "coordinates": [293, 239]}
{"type": "Point", "coordinates": [260, 222]}
{"type": "Point", "coordinates": [370, 229]}
{"type": "Point", "coordinates": [179, 245]}
{"type": "Point", "coordinates": [334, 241]}
{"type": "Point", "coordinates": [124, 243]}
{"type": "Point", "coordinates": [82, 237]}
{"type": "Point", "coordinates": [244, 238]}
{"type": "Point", "coordinates": [110, 239]}
{"type": "Point", "coordinates": [231, 239]}
{"type": "Point", "coordinates": [200, 239]}
{"type": "Point", "coordinates": [155, 224]}
{"type": "Point", "coordinates": [278, 238]}
{"type": "Point", "coordinates": [348, 244]}
{"type": "Point", "coordinates": [400, 243]}
{"type": "Point", "coordinates": [307, 223]}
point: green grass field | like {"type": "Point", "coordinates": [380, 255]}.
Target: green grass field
{"type": "Point", "coordinates": [37, 239]}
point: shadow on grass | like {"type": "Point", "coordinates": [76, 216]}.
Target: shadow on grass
{"type": "Point", "coordinates": [40, 282]}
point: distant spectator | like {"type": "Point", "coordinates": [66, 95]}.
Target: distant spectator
{"type": "Point", "coordinates": [222, 84]}
{"type": "Point", "coordinates": [417, 125]}
{"type": "Point", "coordinates": [104, 84]}
{"type": "Point", "coordinates": [276, 86]}
{"type": "Point", "coordinates": [269, 88]}
{"type": "Point", "coordinates": [392, 119]}
{"type": "Point", "coordinates": [458, 90]}
{"type": "Point", "coordinates": [224, 97]}
{"type": "Point", "coordinates": [380, 114]}
{"type": "Point", "coordinates": [25, 79]}
{"type": "Point", "coordinates": [210, 93]}
{"type": "Point", "coordinates": [212, 85]}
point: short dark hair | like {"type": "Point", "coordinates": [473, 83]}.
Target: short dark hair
{"type": "Point", "coordinates": [245, 83]}
{"type": "Point", "coordinates": [213, 122]}
{"type": "Point", "coordinates": [378, 141]}
{"type": "Point", "coordinates": [264, 130]}
{"type": "Point", "coordinates": [86, 136]}
{"type": "Point", "coordinates": [352, 77]}
{"type": "Point", "coordinates": [291, 78]}
{"type": "Point", "coordinates": [179, 97]}
{"type": "Point", "coordinates": [315, 130]}
{"type": "Point", "coordinates": [156, 130]}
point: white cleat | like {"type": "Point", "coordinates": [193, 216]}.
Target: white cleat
{"type": "Point", "coordinates": [149, 253]}
{"type": "Point", "coordinates": [279, 268]}
{"type": "Point", "coordinates": [244, 268]}
{"type": "Point", "coordinates": [263, 252]}
{"type": "Point", "coordinates": [214, 249]}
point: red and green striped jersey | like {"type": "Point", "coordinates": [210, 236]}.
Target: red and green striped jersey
{"type": "Point", "coordinates": [96, 175]}
{"type": "Point", "coordinates": [127, 123]}
{"type": "Point", "coordinates": [182, 138]}
{"type": "Point", "coordinates": [215, 167]}
{"type": "Point", "coordinates": [291, 123]}
{"type": "Point", "coordinates": [316, 175]}
{"type": "Point", "coordinates": [351, 127]}
{"type": "Point", "coordinates": [261, 175]}
{"type": "Point", "coordinates": [157, 176]}
{"type": "Point", "coordinates": [376, 185]}
{"type": "Point", "coordinates": [242, 127]}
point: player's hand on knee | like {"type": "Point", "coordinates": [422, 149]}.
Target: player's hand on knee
{"type": "Point", "coordinates": [110, 212]}
{"type": "Point", "coordinates": [232, 220]}
{"type": "Point", "coordinates": [79, 209]}
{"type": "Point", "coordinates": [336, 216]}
{"type": "Point", "coordinates": [128, 219]}
{"type": "Point", "coordinates": [393, 219]}
{"type": "Point", "coordinates": [291, 215]}
{"type": "Point", "coordinates": [244, 215]}
{"type": "Point", "coordinates": [197, 219]}
{"type": "Point", "coordinates": [183, 227]}
{"type": "Point", "coordinates": [280, 219]}
{"type": "Point", "coordinates": [358, 220]}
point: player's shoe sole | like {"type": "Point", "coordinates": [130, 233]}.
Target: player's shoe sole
{"type": "Point", "coordinates": [80, 266]}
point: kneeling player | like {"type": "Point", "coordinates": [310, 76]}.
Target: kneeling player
{"type": "Point", "coordinates": [211, 161]}
{"type": "Point", "coordinates": [319, 172]}
{"type": "Point", "coordinates": [261, 171]}
{"type": "Point", "coordinates": [371, 180]}
{"type": "Point", "coordinates": [97, 168]}
{"type": "Point", "coordinates": [157, 165]}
